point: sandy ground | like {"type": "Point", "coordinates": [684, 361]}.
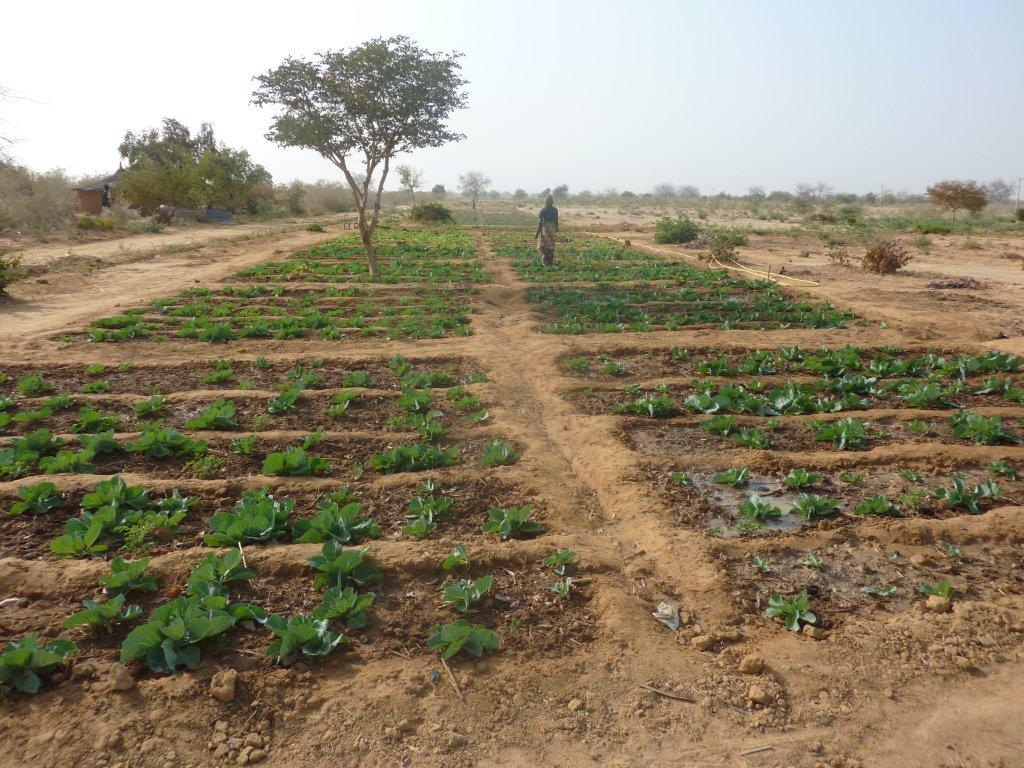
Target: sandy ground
{"type": "Point", "coordinates": [876, 689]}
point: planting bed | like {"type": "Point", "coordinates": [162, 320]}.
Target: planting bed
{"type": "Point", "coordinates": [631, 526]}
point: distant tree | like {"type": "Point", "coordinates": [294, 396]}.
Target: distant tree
{"type": "Point", "coordinates": [438, 189]}
{"type": "Point", "coordinates": [411, 179]}
{"type": "Point", "coordinates": [803, 190]}
{"type": "Point", "coordinates": [627, 193]}
{"type": "Point", "coordinates": [756, 192]}
{"type": "Point", "coordinates": [377, 100]}
{"type": "Point", "coordinates": [519, 194]}
{"type": "Point", "coordinates": [171, 166]}
{"type": "Point", "coordinates": [688, 192]}
{"type": "Point", "coordinates": [999, 191]}
{"type": "Point", "coordinates": [954, 195]}
{"type": "Point", "coordinates": [665, 190]}
{"type": "Point", "coordinates": [561, 191]}
{"type": "Point", "coordinates": [293, 196]}
{"type": "Point", "coordinates": [823, 190]}
{"type": "Point", "coordinates": [473, 184]}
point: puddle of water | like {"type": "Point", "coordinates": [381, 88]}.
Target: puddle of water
{"type": "Point", "coordinates": [729, 500]}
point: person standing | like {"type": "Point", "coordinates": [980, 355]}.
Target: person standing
{"type": "Point", "coordinates": [547, 228]}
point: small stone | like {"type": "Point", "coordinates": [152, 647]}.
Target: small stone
{"type": "Point", "coordinates": [148, 746]}
{"type": "Point", "coordinates": [575, 705]}
{"type": "Point", "coordinates": [815, 633]}
{"type": "Point", "coordinates": [234, 744]}
{"type": "Point", "coordinates": [120, 678]}
{"type": "Point", "coordinates": [223, 683]}
{"type": "Point", "coordinates": [256, 756]}
{"type": "Point", "coordinates": [963, 662]}
{"type": "Point", "coordinates": [752, 664]}
{"type": "Point", "coordinates": [702, 642]}
{"type": "Point", "coordinates": [758, 695]}
{"type": "Point", "coordinates": [920, 558]}
{"type": "Point", "coordinates": [253, 740]}
{"type": "Point", "coordinates": [456, 740]}
{"type": "Point", "coordinates": [938, 604]}
{"type": "Point", "coordinates": [406, 726]}
{"type": "Point", "coordinates": [221, 726]}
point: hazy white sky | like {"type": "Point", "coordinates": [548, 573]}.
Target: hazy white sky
{"type": "Point", "coordinates": [721, 94]}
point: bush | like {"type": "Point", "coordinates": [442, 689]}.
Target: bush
{"type": "Point", "coordinates": [10, 270]}
{"type": "Point", "coordinates": [934, 226]}
{"type": "Point", "coordinates": [96, 223]}
{"type": "Point", "coordinates": [430, 212]}
{"type": "Point", "coordinates": [35, 202]}
{"type": "Point", "coordinates": [680, 230]}
{"type": "Point", "coordinates": [884, 257]}
{"type": "Point", "coordinates": [1019, 214]}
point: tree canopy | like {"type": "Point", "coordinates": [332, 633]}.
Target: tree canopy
{"type": "Point", "coordinates": [171, 166]}
{"type": "Point", "coordinates": [954, 195]}
{"type": "Point", "coordinates": [376, 100]}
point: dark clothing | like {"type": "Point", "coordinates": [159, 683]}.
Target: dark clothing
{"type": "Point", "coordinates": [549, 213]}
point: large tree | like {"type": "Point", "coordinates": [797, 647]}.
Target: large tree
{"type": "Point", "coordinates": [473, 184]}
{"type": "Point", "coordinates": [374, 101]}
{"type": "Point", "coordinates": [954, 195]}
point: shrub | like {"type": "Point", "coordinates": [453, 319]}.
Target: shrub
{"type": "Point", "coordinates": [679, 230]}
{"type": "Point", "coordinates": [884, 257]}
{"type": "Point", "coordinates": [430, 212]}
{"type": "Point", "coordinates": [96, 223]}
{"type": "Point", "coordinates": [1019, 214]}
{"type": "Point", "coordinates": [10, 270]}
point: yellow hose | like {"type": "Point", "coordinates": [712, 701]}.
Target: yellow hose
{"type": "Point", "coordinates": [715, 262]}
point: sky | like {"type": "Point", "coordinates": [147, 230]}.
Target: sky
{"type": "Point", "coordinates": [721, 94]}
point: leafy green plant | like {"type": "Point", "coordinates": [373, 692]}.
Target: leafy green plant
{"type": "Point", "coordinates": [811, 505]}
{"type": "Point", "coordinates": [457, 558]}
{"type": "Point", "coordinates": [960, 496]}
{"type": "Point", "coordinates": [1002, 468]}
{"type": "Point", "coordinates": [414, 458]}
{"type": "Point", "coordinates": [342, 522]}
{"type": "Point", "coordinates": [91, 420]}
{"type": "Point", "coordinates": [498, 452]}
{"type": "Point", "coordinates": [654, 406]}
{"type": "Point", "coordinates": [33, 385]}
{"type": "Point", "coordinates": [562, 589]}
{"type": "Point", "coordinates": [171, 636]}
{"type": "Point", "coordinates": [357, 378]}
{"type": "Point", "coordinates": [812, 561]}
{"type": "Point", "coordinates": [24, 662]}
{"type": "Point", "coordinates": [876, 506]}
{"type": "Point", "coordinates": [511, 522]}
{"type": "Point", "coordinates": [128, 576]}
{"type": "Point", "coordinates": [150, 407]}
{"type": "Point", "coordinates": [338, 567]}
{"type": "Point", "coordinates": [166, 443]}
{"type": "Point", "coordinates": [885, 591]}
{"type": "Point", "coordinates": [792, 611]}
{"type": "Point", "coordinates": [37, 499]}
{"type": "Point", "coordinates": [751, 438]}
{"type": "Point", "coordinates": [285, 402]}
{"type": "Point", "coordinates": [243, 446]}
{"type": "Point", "coordinates": [852, 478]}
{"type": "Point", "coordinates": [983, 430]}
{"type": "Point", "coordinates": [843, 433]}
{"type": "Point", "coordinates": [257, 517]}
{"type": "Point", "coordinates": [801, 478]}
{"type": "Point", "coordinates": [96, 387]}
{"type": "Point", "coordinates": [734, 476]}
{"type": "Point", "coordinates": [760, 564]}
{"type": "Point", "coordinates": [300, 635]}
{"type": "Point", "coordinates": [219, 571]}
{"type": "Point", "coordinates": [103, 613]}
{"type": "Point", "coordinates": [294, 462]}
{"type": "Point", "coordinates": [218, 415]}
{"type": "Point", "coordinates": [757, 509]}
{"type": "Point", "coordinates": [425, 511]}
{"type": "Point", "coordinates": [722, 424]}
{"type": "Point", "coordinates": [342, 401]}
{"type": "Point", "coordinates": [68, 461]}
{"type": "Point", "coordinates": [345, 604]}
{"type": "Point", "coordinates": [942, 589]}
{"type": "Point", "coordinates": [463, 594]}
{"type": "Point", "coordinates": [560, 560]}
{"type": "Point", "coordinates": [460, 635]}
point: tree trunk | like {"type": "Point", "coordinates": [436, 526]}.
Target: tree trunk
{"type": "Point", "coordinates": [366, 235]}
{"type": "Point", "coordinates": [474, 202]}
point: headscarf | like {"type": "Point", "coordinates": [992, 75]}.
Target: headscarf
{"type": "Point", "coordinates": [549, 202]}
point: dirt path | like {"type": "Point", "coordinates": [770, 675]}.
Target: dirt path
{"type": "Point", "coordinates": [847, 699]}
{"type": "Point", "coordinates": [68, 254]}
